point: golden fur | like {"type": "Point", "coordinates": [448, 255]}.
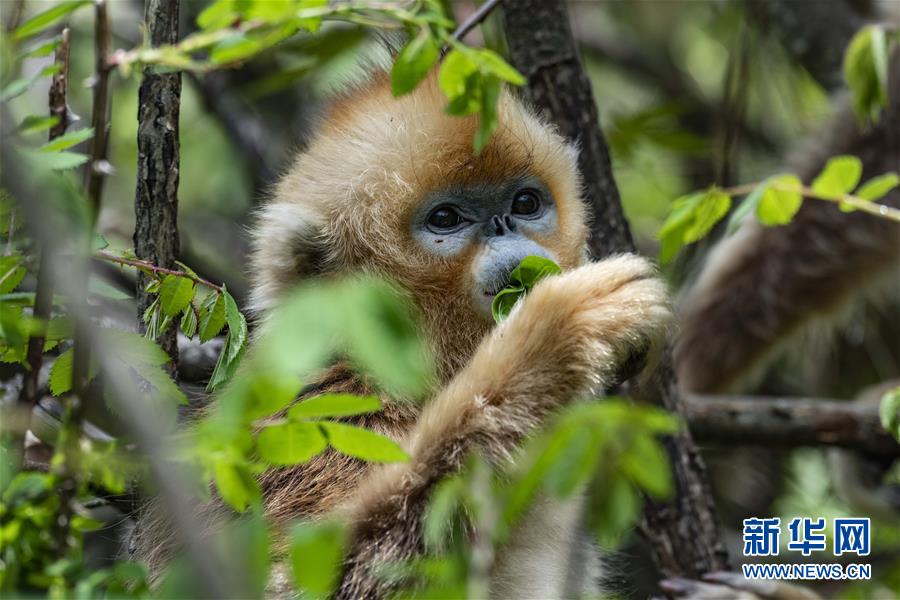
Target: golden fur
{"type": "Point", "coordinates": [345, 206]}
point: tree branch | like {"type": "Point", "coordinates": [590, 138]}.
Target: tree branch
{"type": "Point", "coordinates": [43, 297]}
{"type": "Point", "coordinates": [683, 533]}
{"type": "Point", "coordinates": [788, 422]}
{"type": "Point", "coordinates": [97, 167]}
{"type": "Point", "coordinates": [156, 198]}
{"type": "Point", "coordinates": [475, 19]}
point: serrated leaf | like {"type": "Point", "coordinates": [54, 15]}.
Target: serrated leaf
{"type": "Point", "coordinates": [62, 161]}
{"type": "Point", "coordinates": [334, 405]}
{"type": "Point", "coordinates": [11, 273]}
{"type": "Point", "coordinates": [67, 140]}
{"type": "Point", "coordinates": [133, 349]}
{"type": "Point", "coordinates": [780, 200]}
{"type": "Point", "coordinates": [160, 381]}
{"type": "Point", "coordinates": [237, 327]}
{"type": "Point", "coordinates": [44, 19]}
{"type": "Point", "coordinates": [839, 176]}
{"type": "Point", "coordinates": [61, 373]}
{"type": "Point", "coordinates": [878, 187]}
{"type": "Point", "coordinates": [290, 443]}
{"type": "Point", "coordinates": [175, 294]}
{"type": "Point", "coordinates": [188, 323]}
{"type": "Point", "coordinates": [414, 62]}
{"type": "Point", "coordinates": [212, 317]}
{"type": "Point", "coordinates": [35, 123]}
{"type": "Point", "coordinates": [363, 444]}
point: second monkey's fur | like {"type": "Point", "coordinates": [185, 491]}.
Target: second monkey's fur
{"type": "Point", "coordinates": [346, 206]}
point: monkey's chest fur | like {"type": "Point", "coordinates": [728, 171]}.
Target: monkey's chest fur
{"type": "Point", "coordinates": [547, 556]}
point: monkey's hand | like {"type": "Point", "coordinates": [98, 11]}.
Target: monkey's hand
{"type": "Point", "coordinates": [563, 341]}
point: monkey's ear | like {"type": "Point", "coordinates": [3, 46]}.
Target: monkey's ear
{"type": "Point", "coordinates": [288, 244]}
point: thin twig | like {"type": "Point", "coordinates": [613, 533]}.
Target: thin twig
{"type": "Point", "coordinates": [143, 264]}
{"type": "Point", "coordinates": [43, 297]}
{"type": "Point", "coordinates": [475, 19]}
{"type": "Point", "coordinates": [96, 168]}
{"type": "Point", "coordinates": [873, 208]}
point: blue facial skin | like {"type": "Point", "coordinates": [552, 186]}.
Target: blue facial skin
{"type": "Point", "coordinates": [499, 219]}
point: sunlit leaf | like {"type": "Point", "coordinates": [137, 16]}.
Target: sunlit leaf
{"type": "Point", "coordinates": [61, 373]}
{"type": "Point", "coordinates": [67, 140]}
{"type": "Point", "coordinates": [212, 317]}
{"type": "Point", "coordinates": [290, 443]}
{"type": "Point", "coordinates": [414, 62]}
{"type": "Point", "coordinates": [839, 176]}
{"type": "Point", "coordinates": [362, 443]}
{"type": "Point", "coordinates": [780, 200]}
{"type": "Point", "coordinates": [44, 19]}
{"type": "Point", "coordinates": [334, 405]}
{"type": "Point", "coordinates": [878, 187]}
{"type": "Point", "coordinates": [889, 412]}
{"type": "Point", "coordinates": [236, 485]}
{"type": "Point", "coordinates": [175, 294]}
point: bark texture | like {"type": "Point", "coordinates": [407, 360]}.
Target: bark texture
{"type": "Point", "coordinates": [156, 200]}
{"type": "Point", "coordinates": [683, 533]}
{"type": "Point", "coordinates": [543, 49]}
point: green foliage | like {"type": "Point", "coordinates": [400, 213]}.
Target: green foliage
{"type": "Point", "coordinates": [866, 67]}
{"type": "Point", "coordinates": [414, 62]}
{"type": "Point", "coordinates": [775, 201]}
{"type": "Point", "coordinates": [525, 276]}
{"type": "Point", "coordinates": [175, 294]}
{"type": "Point", "coordinates": [362, 443]}
{"type": "Point", "coordinates": [889, 411]}
{"type": "Point", "coordinates": [46, 18]}
{"type": "Point", "coordinates": [317, 550]}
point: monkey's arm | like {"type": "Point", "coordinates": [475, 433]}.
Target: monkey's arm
{"type": "Point", "coordinates": [563, 341]}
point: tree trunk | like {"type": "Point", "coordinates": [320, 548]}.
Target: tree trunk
{"type": "Point", "coordinates": [156, 200]}
{"type": "Point", "coordinates": [683, 533]}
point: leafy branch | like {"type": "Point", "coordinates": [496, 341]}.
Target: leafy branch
{"type": "Point", "coordinates": [775, 201]}
{"type": "Point", "coordinates": [150, 268]}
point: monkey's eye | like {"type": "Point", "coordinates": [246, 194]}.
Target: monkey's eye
{"type": "Point", "coordinates": [526, 203]}
{"type": "Point", "coordinates": [444, 218]}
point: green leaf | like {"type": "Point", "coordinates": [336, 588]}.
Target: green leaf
{"type": "Point", "coordinates": [710, 209]}
{"type": "Point", "coordinates": [188, 322]}
{"type": "Point", "coordinates": [878, 187]}
{"type": "Point", "coordinates": [616, 506]}
{"type": "Point", "coordinates": [493, 63]}
{"type": "Point", "coordinates": [35, 123]}
{"type": "Point", "coordinates": [780, 200]}
{"type": "Point", "coordinates": [747, 207]}
{"type": "Point", "coordinates": [334, 405]}
{"type": "Point", "coordinates": [414, 62]}
{"type": "Point", "coordinates": [889, 412]}
{"type": "Point", "coordinates": [67, 140]}
{"type": "Point", "coordinates": [362, 443]}
{"type": "Point", "coordinates": [237, 328]}
{"type": "Point", "coordinates": [290, 443]}
{"type": "Point", "coordinates": [62, 161]}
{"type": "Point", "coordinates": [840, 175]}
{"type": "Point", "coordinates": [455, 76]}
{"type": "Point", "coordinates": [522, 279]}
{"type": "Point", "coordinates": [212, 316]}
{"type": "Point", "coordinates": [218, 15]}
{"type": "Point", "coordinates": [11, 273]}
{"type": "Point", "coordinates": [317, 552]}
{"type": "Point", "coordinates": [61, 373]}
{"type": "Point", "coordinates": [44, 19]}
{"type": "Point", "coordinates": [160, 381]}
{"type": "Point", "coordinates": [133, 349]}
{"type": "Point", "coordinates": [236, 485]}
{"type": "Point", "coordinates": [487, 117]}
{"type": "Point", "coordinates": [646, 463]}
{"type": "Point", "coordinates": [175, 294]}
{"type": "Point", "coordinates": [443, 505]}
{"type": "Point", "coordinates": [861, 75]}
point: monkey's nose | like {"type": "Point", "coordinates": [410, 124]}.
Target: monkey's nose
{"type": "Point", "coordinates": [502, 225]}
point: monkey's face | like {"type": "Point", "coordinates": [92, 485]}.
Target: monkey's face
{"type": "Point", "coordinates": [496, 225]}
{"type": "Point", "coordinates": [392, 186]}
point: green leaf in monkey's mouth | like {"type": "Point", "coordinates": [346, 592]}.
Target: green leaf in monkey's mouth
{"type": "Point", "coordinates": [524, 277]}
